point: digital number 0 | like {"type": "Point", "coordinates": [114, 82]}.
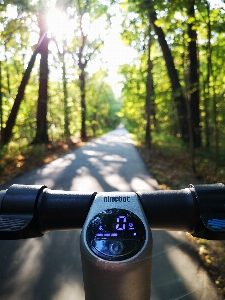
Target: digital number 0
{"type": "Point", "coordinates": [121, 223]}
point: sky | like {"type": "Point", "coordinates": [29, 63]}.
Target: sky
{"type": "Point", "coordinates": [114, 52]}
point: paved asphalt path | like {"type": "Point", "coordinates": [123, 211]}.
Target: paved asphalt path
{"type": "Point", "coordinates": [49, 268]}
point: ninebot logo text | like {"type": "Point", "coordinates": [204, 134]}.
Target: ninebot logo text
{"type": "Point", "coordinates": [117, 199]}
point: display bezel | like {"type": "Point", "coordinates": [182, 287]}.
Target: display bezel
{"type": "Point", "coordinates": [108, 220]}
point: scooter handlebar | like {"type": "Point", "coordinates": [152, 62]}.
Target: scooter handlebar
{"type": "Point", "coordinates": [28, 211]}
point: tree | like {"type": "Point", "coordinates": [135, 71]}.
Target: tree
{"type": "Point", "coordinates": [82, 63]}
{"type": "Point", "coordinates": [1, 120]}
{"type": "Point", "coordinates": [7, 131]}
{"type": "Point", "coordinates": [86, 49]}
{"type": "Point", "coordinates": [62, 55]}
{"type": "Point", "coordinates": [134, 96]}
{"type": "Point", "coordinates": [14, 26]}
{"type": "Point", "coordinates": [207, 79]}
{"type": "Point", "coordinates": [65, 93]}
{"type": "Point", "coordinates": [42, 129]}
{"type": "Point", "coordinates": [103, 108]}
{"type": "Point", "coordinates": [149, 92]}
{"type": "Point", "coordinates": [178, 96]}
{"type": "Point", "coordinates": [146, 9]}
{"type": "Point", "coordinates": [193, 80]}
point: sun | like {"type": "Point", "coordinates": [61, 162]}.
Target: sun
{"type": "Point", "coordinates": [60, 26]}
{"type": "Point", "coordinates": [114, 53]}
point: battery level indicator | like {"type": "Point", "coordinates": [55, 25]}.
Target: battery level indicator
{"type": "Point", "coordinates": [99, 234]}
{"type": "Point", "coordinates": [114, 234]}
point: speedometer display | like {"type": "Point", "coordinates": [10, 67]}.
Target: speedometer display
{"type": "Point", "coordinates": [116, 234]}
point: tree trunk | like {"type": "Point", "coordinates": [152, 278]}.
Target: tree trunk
{"type": "Point", "coordinates": [82, 63]}
{"type": "Point", "coordinates": [41, 129]}
{"type": "Point", "coordinates": [65, 96]}
{"type": "Point", "coordinates": [206, 110]}
{"type": "Point", "coordinates": [7, 71]}
{"type": "Point", "coordinates": [1, 113]}
{"type": "Point", "coordinates": [216, 127]}
{"type": "Point", "coordinates": [83, 104]}
{"type": "Point", "coordinates": [207, 81]}
{"type": "Point", "coordinates": [7, 131]}
{"type": "Point", "coordinates": [178, 96]}
{"type": "Point", "coordinates": [193, 81]}
{"type": "Point", "coordinates": [149, 94]}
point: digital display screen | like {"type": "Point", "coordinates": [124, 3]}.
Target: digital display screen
{"type": "Point", "coordinates": [115, 234]}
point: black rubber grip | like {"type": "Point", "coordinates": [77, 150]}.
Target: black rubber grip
{"type": "Point", "coordinates": [171, 210]}
{"type": "Point", "coordinates": [28, 211]}
{"type": "Point", "coordinates": [199, 210]}
{"type": "Point", "coordinates": [62, 210]}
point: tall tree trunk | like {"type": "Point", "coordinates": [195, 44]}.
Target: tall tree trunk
{"type": "Point", "coordinates": [7, 131]}
{"type": "Point", "coordinates": [149, 93]}
{"type": "Point", "coordinates": [193, 81]}
{"type": "Point", "coordinates": [82, 63]}
{"type": "Point", "coordinates": [83, 104]}
{"type": "Point", "coordinates": [178, 96]}
{"type": "Point", "coordinates": [191, 135]}
{"type": "Point", "coordinates": [216, 126]}
{"type": "Point", "coordinates": [7, 71]}
{"type": "Point", "coordinates": [1, 113]}
{"type": "Point", "coordinates": [206, 111]}
{"type": "Point", "coordinates": [41, 129]}
{"type": "Point", "coordinates": [65, 96]}
{"type": "Point", "coordinates": [207, 81]}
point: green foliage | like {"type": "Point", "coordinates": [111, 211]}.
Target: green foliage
{"type": "Point", "coordinates": [132, 110]}
{"type": "Point", "coordinates": [134, 95]}
{"type": "Point", "coordinates": [15, 51]}
{"type": "Point", "coordinates": [168, 143]}
{"type": "Point", "coordinates": [19, 31]}
{"type": "Point", "coordinates": [102, 107]}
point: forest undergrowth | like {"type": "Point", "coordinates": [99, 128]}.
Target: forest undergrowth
{"type": "Point", "coordinates": [18, 160]}
{"type": "Point", "coordinates": [171, 169]}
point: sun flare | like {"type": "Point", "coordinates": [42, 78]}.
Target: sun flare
{"type": "Point", "coordinates": [59, 25]}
